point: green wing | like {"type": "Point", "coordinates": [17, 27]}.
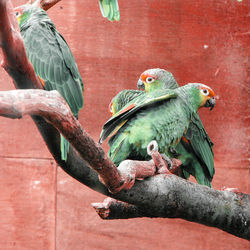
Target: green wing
{"type": "Point", "coordinates": [142, 101]}
{"type": "Point", "coordinates": [123, 98]}
{"type": "Point", "coordinates": [54, 63]}
{"type": "Point", "coordinates": [164, 120]}
{"type": "Point", "coordinates": [110, 9]}
{"type": "Point", "coordinates": [201, 145]}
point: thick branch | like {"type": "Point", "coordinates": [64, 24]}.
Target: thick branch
{"type": "Point", "coordinates": [160, 196]}
{"type": "Point", "coordinates": [182, 199]}
{"type": "Point", "coordinates": [53, 108]}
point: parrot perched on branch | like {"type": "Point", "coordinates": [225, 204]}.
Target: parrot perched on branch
{"type": "Point", "coordinates": [162, 115]}
{"type": "Point", "coordinates": [51, 58]}
{"type": "Point", "coordinates": [110, 9]}
{"type": "Point", "coordinates": [196, 146]}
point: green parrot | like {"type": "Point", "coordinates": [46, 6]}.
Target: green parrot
{"type": "Point", "coordinates": [195, 146]}
{"type": "Point", "coordinates": [110, 9]}
{"type": "Point", "coordinates": [51, 58]}
{"type": "Point", "coordinates": [162, 115]}
{"type": "Point", "coordinates": [122, 98]}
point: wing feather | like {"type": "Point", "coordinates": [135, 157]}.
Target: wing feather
{"type": "Point", "coordinates": [201, 144]}
{"type": "Point", "coordinates": [110, 9]}
{"type": "Point", "coordinates": [54, 63]}
{"type": "Point", "coordinates": [132, 108]}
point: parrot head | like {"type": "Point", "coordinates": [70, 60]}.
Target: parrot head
{"type": "Point", "coordinates": [206, 96]}
{"type": "Point", "coordinates": [23, 12]}
{"type": "Point", "coordinates": [153, 79]}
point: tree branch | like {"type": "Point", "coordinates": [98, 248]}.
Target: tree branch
{"type": "Point", "coordinates": [51, 106]}
{"type": "Point", "coordinates": [159, 196]}
{"type": "Point", "coordinates": [46, 4]}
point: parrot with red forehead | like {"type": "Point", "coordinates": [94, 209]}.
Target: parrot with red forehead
{"type": "Point", "coordinates": [110, 9]}
{"type": "Point", "coordinates": [195, 145]}
{"type": "Point", "coordinates": [162, 115]}
{"type": "Point", "coordinates": [51, 58]}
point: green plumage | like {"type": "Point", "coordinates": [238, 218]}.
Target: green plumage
{"type": "Point", "coordinates": [196, 155]}
{"type": "Point", "coordinates": [162, 115]}
{"type": "Point", "coordinates": [52, 60]}
{"type": "Point", "coordinates": [122, 98]}
{"type": "Point", "coordinates": [110, 9]}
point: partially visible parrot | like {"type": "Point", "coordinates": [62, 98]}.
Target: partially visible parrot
{"type": "Point", "coordinates": [162, 115]}
{"type": "Point", "coordinates": [195, 146]}
{"type": "Point", "coordinates": [110, 9]}
{"type": "Point", "coordinates": [122, 98]}
{"type": "Point", "coordinates": [51, 58]}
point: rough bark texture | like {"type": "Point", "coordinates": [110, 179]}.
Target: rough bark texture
{"type": "Point", "coordinates": [160, 196]}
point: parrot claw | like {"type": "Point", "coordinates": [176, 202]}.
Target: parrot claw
{"type": "Point", "coordinates": [128, 175]}
{"type": "Point", "coordinates": [128, 181]}
{"type": "Point", "coordinates": [163, 163]}
{"type": "Point", "coordinates": [162, 168]}
{"type": "Point", "coordinates": [168, 160]}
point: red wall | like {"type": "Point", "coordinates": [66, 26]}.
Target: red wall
{"type": "Point", "coordinates": [198, 41]}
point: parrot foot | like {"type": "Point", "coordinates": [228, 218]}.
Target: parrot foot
{"type": "Point", "coordinates": [128, 178]}
{"type": "Point", "coordinates": [176, 163]}
{"type": "Point", "coordinates": [168, 160]}
{"type": "Point", "coordinates": [128, 174]}
{"type": "Point", "coordinates": [132, 170]}
{"type": "Point", "coordinates": [162, 162]}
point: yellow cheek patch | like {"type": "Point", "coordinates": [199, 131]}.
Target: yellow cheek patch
{"type": "Point", "coordinates": [204, 99]}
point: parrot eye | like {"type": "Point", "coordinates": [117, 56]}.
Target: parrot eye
{"type": "Point", "coordinates": [18, 14]}
{"type": "Point", "coordinates": [205, 92]}
{"type": "Point", "coordinates": [150, 79]}
{"type": "Point", "coordinates": [111, 107]}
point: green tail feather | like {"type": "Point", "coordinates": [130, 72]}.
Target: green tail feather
{"type": "Point", "coordinates": [110, 9]}
{"type": "Point", "coordinates": [64, 148]}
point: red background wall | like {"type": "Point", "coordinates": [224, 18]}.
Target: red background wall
{"type": "Point", "coordinates": [198, 41]}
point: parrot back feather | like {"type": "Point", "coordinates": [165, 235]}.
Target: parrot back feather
{"type": "Point", "coordinates": [53, 60]}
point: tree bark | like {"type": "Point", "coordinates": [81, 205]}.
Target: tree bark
{"type": "Point", "coordinates": [159, 196]}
